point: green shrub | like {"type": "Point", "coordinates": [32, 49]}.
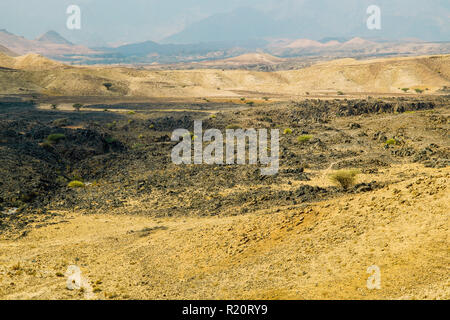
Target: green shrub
{"type": "Point", "coordinates": [55, 137]}
{"type": "Point", "coordinates": [77, 106]}
{"type": "Point", "coordinates": [107, 85]}
{"type": "Point", "coordinates": [242, 99]}
{"type": "Point", "coordinates": [391, 142]}
{"type": "Point", "coordinates": [419, 90]}
{"type": "Point", "coordinates": [60, 122]}
{"type": "Point", "coordinates": [233, 126]}
{"type": "Point", "coordinates": [76, 184]}
{"type": "Point", "coordinates": [344, 178]}
{"type": "Point", "coordinates": [54, 106]}
{"type": "Point", "coordinates": [405, 89]}
{"type": "Point", "coordinates": [287, 131]}
{"type": "Point", "coordinates": [110, 140]}
{"type": "Point", "coordinates": [250, 103]}
{"type": "Point", "coordinates": [340, 93]}
{"type": "Point", "coordinates": [131, 112]}
{"type": "Point", "coordinates": [304, 138]}
{"type": "Point", "coordinates": [137, 146]}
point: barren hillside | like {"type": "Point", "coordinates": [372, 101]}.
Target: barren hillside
{"type": "Point", "coordinates": [37, 74]}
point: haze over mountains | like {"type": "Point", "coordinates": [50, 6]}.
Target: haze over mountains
{"type": "Point", "coordinates": [324, 18]}
{"type": "Point", "coordinates": [213, 31]}
{"type": "Point", "coordinates": [50, 44]}
{"type": "Point", "coordinates": [53, 45]}
{"type": "Point", "coordinates": [190, 21]}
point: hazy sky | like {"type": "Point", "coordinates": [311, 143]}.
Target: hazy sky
{"type": "Point", "coordinates": [118, 22]}
{"type": "Point", "coordinates": [113, 21]}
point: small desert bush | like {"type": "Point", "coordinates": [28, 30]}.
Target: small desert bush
{"type": "Point", "coordinates": [344, 178]}
{"type": "Point", "coordinates": [250, 103]}
{"type": "Point", "coordinates": [305, 138]}
{"type": "Point", "coordinates": [55, 137]}
{"type": "Point", "coordinates": [110, 140]}
{"type": "Point", "coordinates": [233, 127]}
{"type": "Point", "coordinates": [77, 106]}
{"type": "Point", "coordinates": [418, 90]}
{"type": "Point", "coordinates": [391, 142]}
{"type": "Point", "coordinates": [131, 112]}
{"type": "Point", "coordinates": [137, 146]}
{"type": "Point", "coordinates": [287, 131]}
{"type": "Point", "coordinates": [76, 184]}
{"type": "Point", "coordinates": [340, 93]}
{"type": "Point", "coordinates": [405, 89]}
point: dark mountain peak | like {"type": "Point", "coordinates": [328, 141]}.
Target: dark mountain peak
{"type": "Point", "coordinates": [53, 37]}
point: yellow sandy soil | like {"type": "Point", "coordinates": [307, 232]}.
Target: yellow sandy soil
{"type": "Point", "coordinates": [320, 251]}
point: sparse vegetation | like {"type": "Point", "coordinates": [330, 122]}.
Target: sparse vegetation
{"type": "Point", "coordinates": [304, 138]}
{"type": "Point", "coordinates": [77, 106]}
{"type": "Point", "coordinates": [233, 127]}
{"type": "Point", "coordinates": [131, 112]}
{"type": "Point", "coordinates": [54, 106]}
{"type": "Point", "coordinates": [110, 140]}
{"type": "Point", "coordinates": [137, 146]}
{"type": "Point", "coordinates": [340, 93]}
{"type": "Point", "coordinates": [55, 138]}
{"type": "Point", "coordinates": [76, 184]}
{"type": "Point", "coordinates": [344, 178]}
{"type": "Point", "coordinates": [405, 89]}
{"type": "Point", "coordinates": [419, 91]}
{"type": "Point", "coordinates": [250, 103]}
{"type": "Point", "coordinates": [287, 131]}
{"type": "Point", "coordinates": [107, 85]}
{"type": "Point", "coordinates": [391, 142]}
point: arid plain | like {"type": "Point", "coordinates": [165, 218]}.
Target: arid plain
{"type": "Point", "coordinates": [140, 227]}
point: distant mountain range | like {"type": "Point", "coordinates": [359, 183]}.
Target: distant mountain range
{"type": "Point", "coordinates": [53, 45]}
{"type": "Point", "coordinates": [50, 44]}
